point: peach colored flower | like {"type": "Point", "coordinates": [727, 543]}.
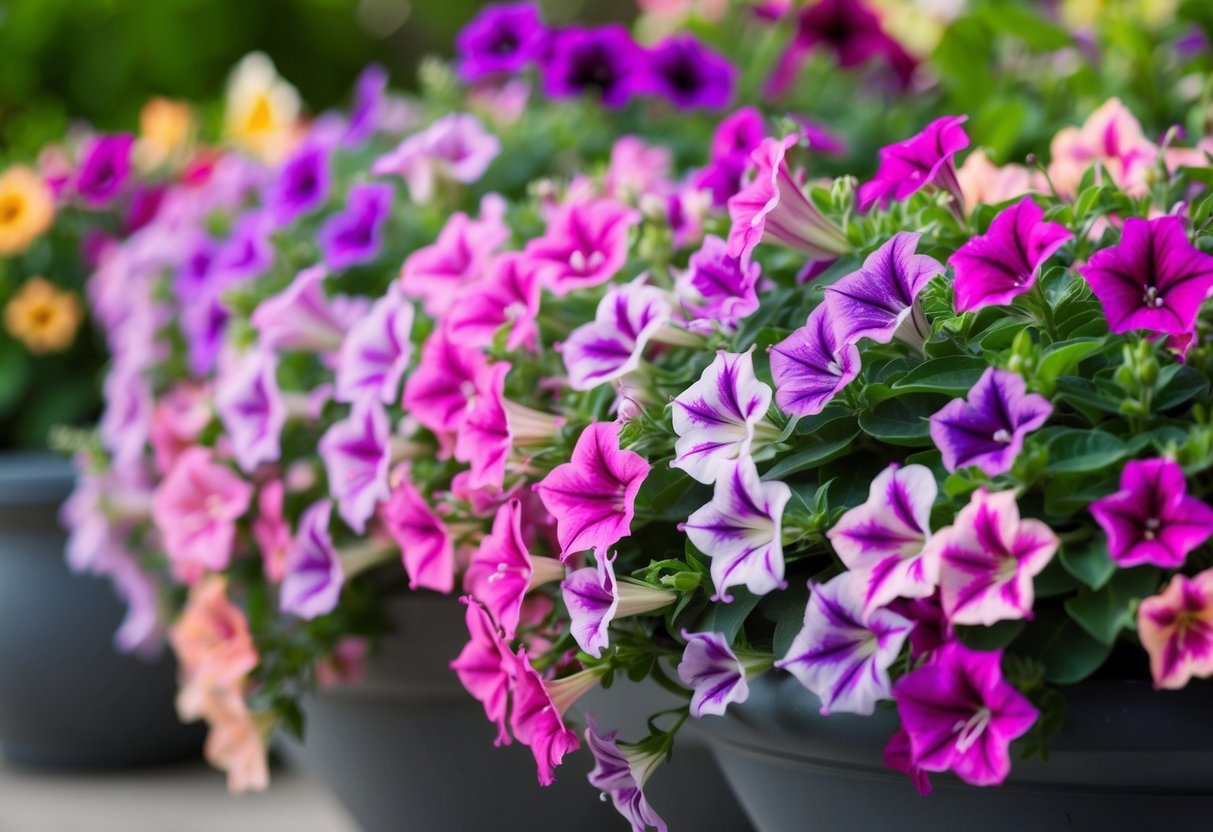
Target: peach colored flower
{"type": "Point", "coordinates": [236, 742]}
{"type": "Point", "coordinates": [985, 183]}
{"type": "Point", "coordinates": [27, 209]}
{"type": "Point", "coordinates": [213, 644]}
{"type": "Point", "coordinates": [1111, 136]}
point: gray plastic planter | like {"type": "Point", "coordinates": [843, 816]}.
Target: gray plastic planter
{"type": "Point", "coordinates": [409, 749]}
{"type": "Point", "coordinates": [67, 698]}
{"type": "Point", "coordinates": [1127, 757]}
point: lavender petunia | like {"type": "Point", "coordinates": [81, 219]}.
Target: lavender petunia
{"type": "Point", "coordinates": [104, 169]}
{"type": "Point", "coordinates": [1176, 629]}
{"type": "Point", "coordinates": [714, 674]}
{"type": "Point", "coordinates": [376, 351]}
{"type": "Point", "coordinates": [455, 148]}
{"type": "Point", "coordinates": [689, 75]}
{"type": "Point", "coordinates": [354, 235]}
{"type": "Point", "coordinates": [370, 104]}
{"type": "Point", "coordinates": [357, 452]}
{"type": "Point", "coordinates": [620, 774]}
{"type": "Point", "coordinates": [247, 253]}
{"type": "Point", "coordinates": [880, 300]}
{"type": "Point", "coordinates": [718, 288]}
{"type": "Point", "coordinates": [1003, 263]}
{"type": "Point", "coordinates": [908, 166]}
{"type": "Point", "coordinates": [502, 39]}
{"type": "Point", "coordinates": [303, 318]}
{"type": "Point", "coordinates": [251, 408]}
{"type": "Point", "coordinates": [604, 61]}
{"type": "Point", "coordinates": [613, 345]}
{"type": "Point", "coordinates": [988, 429]}
{"type": "Point", "coordinates": [811, 366]}
{"type": "Point", "coordinates": [843, 653]}
{"type": "Point", "coordinates": [314, 576]}
{"type": "Point", "coordinates": [302, 184]}
{"type": "Point", "coordinates": [741, 531]}
{"type": "Point", "coordinates": [715, 418]}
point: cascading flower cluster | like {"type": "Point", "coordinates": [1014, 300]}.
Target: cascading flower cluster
{"type": "Point", "coordinates": [667, 404]}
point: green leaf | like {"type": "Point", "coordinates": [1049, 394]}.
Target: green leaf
{"type": "Point", "coordinates": [994, 637]}
{"type": "Point", "coordinates": [954, 375]}
{"type": "Point", "coordinates": [1073, 451]}
{"type": "Point", "coordinates": [1062, 359]}
{"type": "Point", "coordinates": [1055, 580]}
{"type": "Point", "coordinates": [828, 442]}
{"type": "Point", "coordinates": [1038, 33]}
{"type": "Point", "coordinates": [1068, 652]}
{"type": "Point", "coordinates": [903, 420]}
{"type": "Point", "coordinates": [728, 618]}
{"type": "Point", "coordinates": [1104, 612]}
{"type": "Point", "coordinates": [1089, 563]}
{"type": "Point", "coordinates": [1177, 384]}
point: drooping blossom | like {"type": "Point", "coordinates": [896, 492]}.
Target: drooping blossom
{"type": "Point", "coordinates": [104, 169]}
{"type": "Point", "coordinates": [718, 288]}
{"type": "Point", "coordinates": [455, 148]}
{"type": "Point", "coordinates": [1155, 279]}
{"type": "Point", "coordinates": [507, 296]}
{"type": "Point", "coordinates": [503, 570]}
{"type": "Point", "coordinates": [882, 540]}
{"type": "Point", "coordinates": [311, 585]}
{"type": "Point", "coordinates": [357, 452]}
{"type": "Point", "coordinates": [178, 419]}
{"type": "Point", "coordinates": [1111, 137]}
{"type": "Point", "coordinates": [605, 62]}
{"type": "Point", "coordinates": [584, 245]}
{"type": "Point", "coordinates": [741, 531]}
{"type": "Point", "coordinates": [620, 772]}
{"type": "Point", "coordinates": [302, 183]}
{"type": "Point", "coordinates": [1176, 629]}
{"type": "Point", "coordinates": [812, 365]}
{"type": "Point", "coordinates": [354, 235]}
{"type": "Point", "coordinates": [984, 183]}
{"type": "Point", "coordinates": [988, 429]}
{"type": "Point", "coordinates": [376, 351]}
{"type": "Point", "coordinates": [843, 653]}
{"type": "Point", "coordinates": [716, 417]}
{"type": "Point", "coordinates": [594, 598]}
{"type": "Point", "coordinates": [1153, 518]}
{"type": "Point", "coordinates": [774, 208]}
{"type": "Point", "coordinates": [485, 666]}
{"type": "Point", "coordinates": [593, 495]}
{"type": "Point", "coordinates": [688, 74]}
{"type": "Point", "coordinates": [251, 408]}
{"type": "Point", "coordinates": [195, 509]}
{"type": "Point", "coordinates": [908, 166]}
{"type": "Point", "coordinates": [438, 391]}
{"type": "Point", "coordinates": [442, 273]}
{"type": "Point", "coordinates": [211, 640]}
{"type": "Point", "coordinates": [711, 669]}
{"type": "Point", "coordinates": [425, 544]}
{"type": "Point", "coordinates": [141, 631]}
{"type": "Point", "coordinates": [897, 756]}
{"type": "Point", "coordinates": [303, 318]}
{"type": "Point", "coordinates": [502, 39]}
{"type": "Point", "coordinates": [1003, 263]}
{"type": "Point", "coordinates": [272, 531]}
{"type": "Point", "coordinates": [537, 715]}
{"type": "Point", "coordinates": [612, 346]}
{"type": "Point", "coordinates": [236, 740]}
{"type": "Point", "coordinates": [961, 714]}
{"type": "Point", "coordinates": [987, 559]}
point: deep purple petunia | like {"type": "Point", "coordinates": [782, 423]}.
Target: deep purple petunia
{"type": "Point", "coordinates": [605, 61]}
{"type": "Point", "coordinates": [988, 429]}
{"type": "Point", "coordinates": [689, 75]}
{"type": "Point", "coordinates": [302, 184]}
{"type": "Point", "coordinates": [500, 40]}
{"type": "Point", "coordinates": [104, 170]}
{"type": "Point", "coordinates": [354, 235]}
{"type": "Point", "coordinates": [1154, 280]}
{"type": "Point", "coordinates": [734, 139]}
{"type": "Point", "coordinates": [811, 365]}
{"type": "Point", "coordinates": [908, 166]}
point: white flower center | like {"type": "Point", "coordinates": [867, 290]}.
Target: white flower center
{"type": "Point", "coordinates": [1152, 524]}
{"type": "Point", "coordinates": [1002, 435]}
{"type": "Point", "coordinates": [1152, 299]}
{"type": "Point", "coordinates": [968, 732]}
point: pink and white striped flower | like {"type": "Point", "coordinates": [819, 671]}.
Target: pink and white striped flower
{"type": "Point", "coordinates": [1176, 629]}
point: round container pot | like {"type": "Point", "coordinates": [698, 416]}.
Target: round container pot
{"type": "Point", "coordinates": [409, 749]}
{"type": "Point", "coordinates": [1127, 756]}
{"type": "Point", "coordinates": [67, 698]}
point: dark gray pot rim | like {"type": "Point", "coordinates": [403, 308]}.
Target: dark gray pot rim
{"type": "Point", "coordinates": [34, 477]}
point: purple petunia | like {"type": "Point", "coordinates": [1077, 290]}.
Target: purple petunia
{"type": "Point", "coordinates": [604, 61]}
{"type": "Point", "coordinates": [355, 234]}
{"type": "Point", "coordinates": [612, 345]}
{"type": "Point", "coordinates": [357, 452]}
{"type": "Point", "coordinates": [717, 288]}
{"type": "Point", "coordinates": [688, 74]}
{"type": "Point", "coordinates": [251, 408]}
{"type": "Point", "coordinates": [501, 39]}
{"type": "Point", "coordinates": [988, 429]}
{"type": "Point", "coordinates": [104, 169]}
{"type": "Point", "coordinates": [302, 184]}
{"type": "Point", "coordinates": [376, 351]}
{"type": "Point", "coordinates": [620, 772]}
{"type": "Point", "coordinates": [811, 365]}
{"type": "Point", "coordinates": [714, 674]}
{"type": "Point", "coordinates": [314, 574]}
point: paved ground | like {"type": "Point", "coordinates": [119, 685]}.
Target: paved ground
{"type": "Point", "coordinates": [180, 798]}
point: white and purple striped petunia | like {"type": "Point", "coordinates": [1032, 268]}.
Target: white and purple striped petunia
{"type": "Point", "coordinates": [251, 407]}
{"type": "Point", "coordinates": [314, 575]}
{"type": "Point", "coordinates": [988, 429]}
{"type": "Point", "coordinates": [613, 344]}
{"type": "Point", "coordinates": [591, 597]}
{"type": "Point", "coordinates": [882, 540]}
{"type": "Point", "coordinates": [357, 452]}
{"type": "Point", "coordinates": [713, 672]}
{"type": "Point", "coordinates": [843, 653]}
{"type": "Point", "coordinates": [811, 365]}
{"type": "Point", "coordinates": [376, 351]}
{"type": "Point", "coordinates": [716, 416]}
{"type": "Point", "coordinates": [741, 531]}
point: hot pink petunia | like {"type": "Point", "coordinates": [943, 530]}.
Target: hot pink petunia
{"type": "Point", "coordinates": [439, 391]}
{"type": "Point", "coordinates": [425, 544]}
{"type": "Point", "coordinates": [506, 297]}
{"type": "Point", "coordinates": [586, 244]}
{"type": "Point", "coordinates": [537, 715]}
{"type": "Point", "coordinates": [441, 272]}
{"type": "Point", "coordinates": [908, 166]}
{"type": "Point", "coordinates": [485, 667]}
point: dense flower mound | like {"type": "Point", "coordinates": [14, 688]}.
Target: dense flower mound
{"type": "Point", "coordinates": [616, 355]}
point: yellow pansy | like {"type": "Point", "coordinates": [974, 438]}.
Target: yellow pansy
{"type": "Point", "coordinates": [262, 109]}
{"type": "Point", "coordinates": [43, 317]}
{"type": "Point", "coordinates": [27, 209]}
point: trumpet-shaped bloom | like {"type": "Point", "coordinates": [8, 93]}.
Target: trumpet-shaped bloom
{"type": "Point", "coordinates": [592, 598]}
{"type": "Point", "coordinates": [370, 107]}
{"type": "Point", "coordinates": [718, 287]}
{"type": "Point", "coordinates": [441, 274]}
{"type": "Point", "coordinates": [987, 559]}
{"type": "Point", "coordinates": [688, 74]}
{"type": "Point", "coordinates": [508, 296]}
{"type": "Point", "coordinates": [1176, 629]}
{"type": "Point", "coordinates": [593, 495]}
{"type": "Point", "coordinates": [741, 531]}
{"type": "Point", "coordinates": [880, 299]}
{"type": "Point", "coordinates": [620, 774]}
{"type": "Point", "coordinates": [302, 184]}
{"type": "Point", "coordinates": [710, 668]}
{"type": "Point", "coordinates": [882, 540]}
{"type": "Point", "coordinates": [455, 148]}
{"type": "Point", "coordinates": [715, 417]}
{"type": "Point", "coordinates": [910, 165]}
{"type": "Point", "coordinates": [271, 531]}
{"type": "Point", "coordinates": [251, 408]}
{"type": "Point", "coordinates": [438, 392]}
{"type": "Point", "coordinates": [843, 653]}
{"type": "Point", "coordinates": [314, 576]}
{"type": "Point", "coordinates": [1112, 137]}
{"type": "Point", "coordinates": [376, 351]}
{"type": "Point", "coordinates": [211, 639]}
{"type": "Point", "coordinates": [104, 169]}
{"type": "Point", "coordinates": [501, 39]}
{"type": "Point", "coordinates": [1154, 280]}
{"type": "Point", "coordinates": [357, 452]}
{"type": "Point", "coordinates": [425, 544]}
{"type": "Point", "coordinates": [537, 716]}
{"type": "Point", "coordinates": [585, 244]}
{"type": "Point", "coordinates": [988, 429]}
{"type": "Point", "coordinates": [811, 365]}
{"type": "Point", "coordinates": [302, 317]}
{"type": "Point", "coordinates": [603, 61]}
{"type": "Point", "coordinates": [1152, 518]}
{"type": "Point", "coordinates": [613, 344]}
{"type": "Point", "coordinates": [485, 666]}
{"type": "Point", "coordinates": [1003, 263]}
{"type": "Point", "coordinates": [178, 419]}
{"type": "Point", "coordinates": [355, 234]}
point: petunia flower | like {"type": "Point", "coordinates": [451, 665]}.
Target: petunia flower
{"type": "Point", "coordinates": [211, 640]}
{"type": "Point", "coordinates": [455, 148]}
{"type": "Point", "coordinates": [303, 318]}
{"type": "Point", "coordinates": [484, 667]}
{"type": "Point", "coordinates": [812, 365]}
{"type": "Point", "coordinates": [357, 452]}
{"type": "Point", "coordinates": [537, 715]}
{"type": "Point", "coordinates": [908, 166]}
{"type": "Point", "coordinates": [371, 106]}
{"type": "Point", "coordinates": [773, 207]}
{"type": "Point", "coordinates": [984, 183]}
{"type": "Point", "coordinates": [612, 346]}
{"type": "Point", "coordinates": [718, 288]}
{"type": "Point", "coordinates": [843, 653]}
{"type": "Point", "coordinates": [716, 418]}
{"type": "Point", "coordinates": [508, 297]}
{"type": "Point", "coordinates": [689, 75]}
{"type": "Point", "coordinates": [897, 756]}
{"type": "Point", "coordinates": [251, 408]}
{"type": "Point", "coordinates": [1004, 262]}
{"type": "Point", "coordinates": [713, 672]}
{"type": "Point", "coordinates": [247, 253]}
{"type": "Point", "coordinates": [882, 540]}
{"type": "Point", "coordinates": [104, 169]}
{"type": "Point", "coordinates": [503, 571]}
{"type": "Point", "coordinates": [620, 772]}
{"type": "Point", "coordinates": [987, 559]}
{"type": "Point", "coordinates": [271, 531]}
{"type": "Point", "coordinates": [741, 531]}
{"type": "Point", "coordinates": [603, 61]}
{"type": "Point", "coordinates": [425, 543]}
{"type": "Point", "coordinates": [594, 598]}
{"type": "Point", "coordinates": [376, 351]}
{"type": "Point", "coordinates": [1176, 629]}
{"type": "Point", "coordinates": [314, 575]}
{"type": "Point", "coordinates": [1152, 518]}
{"type": "Point", "coordinates": [637, 169]}
{"type": "Point", "coordinates": [1111, 137]}
{"type": "Point", "coordinates": [1153, 280]}
{"type": "Point", "coordinates": [988, 429]}
{"type": "Point", "coordinates": [961, 714]}
{"type": "Point", "coordinates": [593, 495]}
{"type": "Point", "coordinates": [501, 39]}
{"type": "Point", "coordinates": [879, 300]}
{"type": "Point", "coordinates": [355, 234]}
{"type": "Point", "coordinates": [302, 183]}
{"type": "Point", "coordinates": [439, 391]}
{"type": "Point", "coordinates": [585, 244]}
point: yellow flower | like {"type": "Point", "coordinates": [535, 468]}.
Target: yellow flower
{"type": "Point", "coordinates": [27, 209]}
{"type": "Point", "coordinates": [42, 317]}
{"type": "Point", "coordinates": [262, 109]}
{"type": "Point", "coordinates": [165, 129]}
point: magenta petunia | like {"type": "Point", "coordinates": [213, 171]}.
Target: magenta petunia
{"type": "Point", "coordinates": [1176, 629]}
{"type": "Point", "coordinates": [988, 429]}
{"type": "Point", "coordinates": [357, 452]}
{"type": "Point", "coordinates": [585, 244]}
{"type": "Point", "coordinates": [593, 495]}
{"type": "Point", "coordinates": [604, 61]}
{"type": "Point", "coordinates": [961, 715]}
{"type": "Point", "coordinates": [251, 407]}
{"type": "Point", "coordinates": [812, 365]}
{"type": "Point", "coordinates": [425, 543]}
{"type": "Point", "coordinates": [710, 668]}
{"type": "Point", "coordinates": [908, 166]}
{"type": "Point", "coordinates": [612, 345]}
{"type": "Point", "coordinates": [501, 39]}
{"type": "Point", "coordinates": [311, 585]}
{"type": "Point", "coordinates": [1003, 263]}
{"type": "Point", "coordinates": [438, 392]}
{"type": "Point", "coordinates": [376, 351]}
{"type": "Point", "coordinates": [271, 530]}
{"type": "Point", "coordinates": [354, 235]}
{"type": "Point", "coordinates": [507, 297]}
{"type": "Point", "coordinates": [441, 273]}
{"type": "Point", "coordinates": [717, 288]}
{"type": "Point", "coordinates": [620, 772]}
{"type": "Point", "coordinates": [987, 559]}
{"type": "Point", "coordinates": [484, 439]}
{"type": "Point", "coordinates": [302, 183]}
{"type": "Point", "coordinates": [537, 715]}
{"type": "Point", "coordinates": [1152, 518]}
{"type": "Point", "coordinates": [455, 148]}
{"type": "Point", "coordinates": [1155, 279]}
{"type": "Point", "coordinates": [485, 667]}
{"type": "Point", "coordinates": [303, 318]}
{"type": "Point", "coordinates": [104, 169]}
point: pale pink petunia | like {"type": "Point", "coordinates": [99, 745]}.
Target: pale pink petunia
{"type": "Point", "coordinates": [272, 531]}
{"type": "Point", "coordinates": [178, 419]}
{"type": "Point", "coordinates": [1111, 136]}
